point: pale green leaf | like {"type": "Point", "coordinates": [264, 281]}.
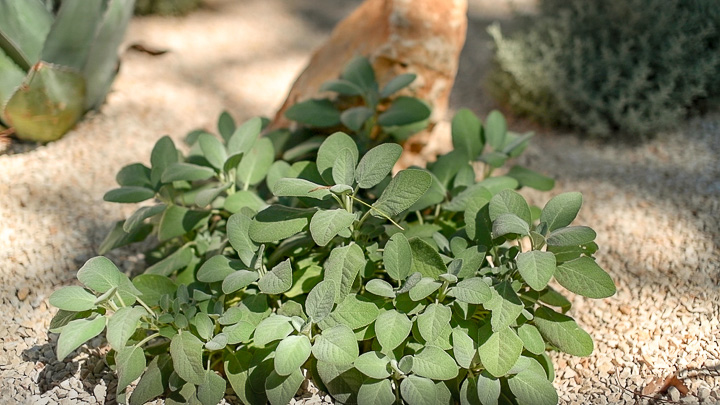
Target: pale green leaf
{"type": "Point", "coordinates": [583, 276]}
{"type": "Point", "coordinates": [380, 287]}
{"type": "Point", "coordinates": [562, 331]}
{"type": "Point", "coordinates": [186, 351]}
{"type": "Point", "coordinates": [217, 268]}
{"type": "Point", "coordinates": [354, 311]}
{"type": "Point", "coordinates": [122, 324]}
{"type": "Point", "coordinates": [488, 389]}
{"type": "Point", "coordinates": [213, 150]}
{"type": "Point", "coordinates": [100, 275]}
{"type": "Point", "coordinates": [256, 163]}
{"type": "Point", "coordinates": [529, 386]}
{"type": "Point", "coordinates": [418, 391]}
{"type": "Point", "coordinates": [392, 328]}
{"type": "Point", "coordinates": [433, 362]}
{"type": "Point", "coordinates": [509, 224]}
{"type": "Point", "coordinates": [472, 291]}
{"type": "Point", "coordinates": [278, 222]}
{"type": "Point", "coordinates": [464, 348]}
{"type": "Point", "coordinates": [330, 150]}
{"type": "Point", "coordinates": [532, 340]}
{"type": "Point", "coordinates": [295, 187]}
{"type": "Point", "coordinates": [499, 352]}
{"type": "Point", "coordinates": [342, 267]}
{"type": "Point", "coordinates": [278, 280]}
{"type": "Point", "coordinates": [272, 328]}
{"type": "Point", "coordinates": [509, 202]}
{"type": "Point", "coordinates": [343, 170]}
{"type": "Point", "coordinates": [72, 298]}
{"type": "Point", "coordinates": [212, 391]}
{"type": "Point", "coordinates": [374, 365]}
{"type": "Point", "coordinates": [403, 191]}
{"type": "Point", "coordinates": [326, 224]}
{"type": "Point", "coordinates": [320, 300]}
{"type": "Point", "coordinates": [424, 288]}
{"type": "Point", "coordinates": [185, 172]}
{"type": "Point", "coordinates": [238, 228]}
{"type": "Point", "coordinates": [536, 268]}
{"type": "Point", "coordinates": [76, 333]}
{"type": "Point", "coordinates": [505, 306]}
{"type": "Point", "coordinates": [238, 280]}
{"type": "Point", "coordinates": [235, 202]}
{"type": "Point", "coordinates": [433, 321]}
{"type": "Point", "coordinates": [291, 353]}
{"type": "Point", "coordinates": [130, 363]}
{"type": "Point", "coordinates": [336, 345]}
{"type": "Point", "coordinates": [153, 286]}
{"type": "Point", "coordinates": [376, 392]}
{"type": "Point", "coordinates": [495, 130]}
{"type": "Point", "coordinates": [397, 257]}
{"type": "Point", "coordinates": [281, 389]}
{"type": "Point", "coordinates": [245, 136]}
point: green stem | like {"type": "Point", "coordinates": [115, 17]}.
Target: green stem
{"type": "Point", "coordinates": [364, 217]}
{"type": "Point", "coordinates": [420, 217]}
{"type": "Point", "coordinates": [147, 308]}
{"type": "Point", "coordinates": [147, 339]}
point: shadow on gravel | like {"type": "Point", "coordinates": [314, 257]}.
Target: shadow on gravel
{"type": "Point", "coordinates": [91, 369]}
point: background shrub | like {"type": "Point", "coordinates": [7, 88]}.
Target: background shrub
{"type": "Point", "coordinates": [633, 66]}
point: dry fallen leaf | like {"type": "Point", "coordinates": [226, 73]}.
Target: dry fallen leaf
{"type": "Point", "coordinates": [660, 385]}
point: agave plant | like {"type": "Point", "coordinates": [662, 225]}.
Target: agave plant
{"type": "Point", "coordinates": [58, 59]}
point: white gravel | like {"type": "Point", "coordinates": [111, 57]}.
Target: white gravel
{"type": "Point", "coordinates": [655, 205]}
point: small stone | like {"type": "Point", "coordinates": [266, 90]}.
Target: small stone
{"type": "Point", "coordinates": [23, 293]}
{"type": "Point", "coordinates": [65, 384]}
{"type": "Point", "coordinates": [704, 393]}
{"type": "Point", "coordinates": [674, 394]}
{"type": "Point", "coordinates": [100, 391]}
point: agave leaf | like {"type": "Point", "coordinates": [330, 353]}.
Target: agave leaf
{"type": "Point", "coordinates": [47, 105]}
{"type": "Point", "coordinates": [11, 76]}
{"type": "Point", "coordinates": [24, 25]}
{"type": "Point", "coordinates": [102, 63]}
{"type": "Point", "coordinates": [72, 33]}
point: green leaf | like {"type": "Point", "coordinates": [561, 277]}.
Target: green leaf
{"type": "Point", "coordinates": [70, 38]}
{"type": "Point", "coordinates": [488, 389]}
{"type": "Point", "coordinates": [130, 363]}
{"type": "Point", "coordinates": [326, 224]}
{"type": "Point", "coordinates": [256, 163]}
{"type": "Point", "coordinates": [343, 87]}
{"type": "Point", "coordinates": [342, 382]}
{"type": "Point", "coordinates": [392, 328]}
{"type": "Point", "coordinates": [100, 275]}
{"type": "Point", "coordinates": [528, 386]}
{"type": "Point", "coordinates": [320, 300]}
{"type": "Point", "coordinates": [532, 179]}
{"type": "Point", "coordinates": [238, 228]}
{"type": "Point", "coordinates": [177, 221]}
{"type": "Point", "coordinates": [272, 328]}
{"type": "Point", "coordinates": [117, 237]}
{"type": "Point", "coordinates": [374, 365]}
{"type": "Point", "coordinates": [536, 268]}
{"type": "Point", "coordinates": [212, 391]}
{"type": "Point", "coordinates": [281, 389]}
{"type": "Point", "coordinates": [373, 392]}
{"type": "Point", "coordinates": [509, 202]}
{"type": "Point", "coordinates": [278, 222]}
{"type": "Point", "coordinates": [131, 194]}
{"type": "Point", "coordinates": [278, 280]}
{"type": "Point", "coordinates": [472, 258]}
{"type": "Point", "coordinates": [164, 154]}
{"type": "Point", "coordinates": [186, 351]}
{"type": "Point", "coordinates": [403, 191]}
{"type": "Point", "coordinates": [360, 72]}
{"type": "Point", "coordinates": [532, 340]}
{"type": "Point", "coordinates": [500, 350]}
{"type": "Point", "coordinates": [72, 298]}
{"type": "Point", "coordinates": [467, 133]}
{"type": "Point", "coordinates": [403, 111]}
{"type": "Point", "coordinates": [376, 164]}
{"type": "Point", "coordinates": [426, 260]}
{"type": "Point", "coordinates": [239, 332]}
{"type": "Point", "coordinates": [243, 198]}
{"type": "Point", "coordinates": [571, 236]}
{"type": "Point", "coordinates": [291, 353]}
{"type": "Point", "coordinates": [135, 174]}
{"type": "Point", "coordinates": [186, 172]}
{"type": "Point", "coordinates": [122, 325]}
{"type": "Point", "coordinates": [213, 150]}
{"type": "Point", "coordinates": [433, 362]}
{"type": "Point", "coordinates": [76, 333]}
{"type": "Point", "coordinates": [469, 392]}
{"type": "Point", "coordinates": [175, 261]}
{"type": "Point", "coordinates": [142, 213]}
{"type": "Point", "coordinates": [343, 170]}
{"type": "Point", "coordinates": [153, 286]}
{"type": "Point", "coordinates": [561, 210]}
{"type": "Point", "coordinates": [562, 331]}
{"type": "Point", "coordinates": [153, 382]}
{"type": "Point", "coordinates": [495, 130]}
{"type": "Point", "coordinates": [472, 291]}
{"type": "Point", "coordinates": [330, 150]}
{"type": "Point", "coordinates": [354, 118]}
{"type": "Point", "coordinates": [336, 345]}
{"type": "Point", "coordinates": [418, 391]}
{"type": "Point", "coordinates": [292, 187]}
{"type": "Point", "coordinates": [217, 268]}
{"type": "Point", "coordinates": [245, 136]}
{"type": "Point", "coordinates": [315, 113]}
{"type": "Point", "coordinates": [204, 325]}
{"type": "Point", "coordinates": [354, 311]}
{"type": "Point", "coordinates": [236, 366]}
{"type": "Point", "coordinates": [505, 306]}
{"type": "Point", "coordinates": [433, 321]}
{"type": "Point", "coordinates": [380, 287]}
{"type": "Point", "coordinates": [424, 288]}
{"type": "Point", "coordinates": [509, 224]}
{"type": "Point", "coordinates": [342, 267]}
{"type": "Point", "coordinates": [62, 318]}
{"type": "Point", "coordinates": [464, 348]}
{"type": "Point", "coordinates": [583, 276]}
{"type": "Point", "coordinates": [397, 83]}
{"type": "Point", "coordinates": [397, 257]}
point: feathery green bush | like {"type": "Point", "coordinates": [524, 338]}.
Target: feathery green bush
{"type": "Point", "coordinates": [426, 287]}
{"type": "Point", "coordinates": [607, 66]}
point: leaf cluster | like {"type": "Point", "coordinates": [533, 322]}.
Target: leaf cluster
{"type": "Point", "coordinates": [427, 286]}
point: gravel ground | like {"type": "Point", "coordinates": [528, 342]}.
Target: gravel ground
{"type": "Point", "coordinates": [655, 206]}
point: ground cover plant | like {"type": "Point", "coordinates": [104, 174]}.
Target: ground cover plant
{"type": "Point", "coordinates": [609, 66]}
{"type": "Point", "coordinates": [423, 287]}
{"type": "Point", "coordinates": [54, 69]}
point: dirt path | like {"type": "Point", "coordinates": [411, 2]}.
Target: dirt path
{"type": "Point", "coordinates": [656, 206]}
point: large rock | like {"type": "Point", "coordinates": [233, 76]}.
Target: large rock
{"type": "Point", "coordinates": [424, 37]}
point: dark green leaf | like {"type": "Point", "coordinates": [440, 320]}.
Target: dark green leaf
{"type": "Point", "coordinates": [186, 172]}
{"type": "Point", "coordinates": [561, 210]}
{"type": "Point", "coordinates": [467, 133]}
{"type": "Point", "coordinates": [532, 179]}
{"type": "Point", "coordinates": [135, 174]}
{"type": "Point", "coordinates": [153, 382]}
{"type": "Point", "coordinates": [315, 113]}
{"type": "Point", "coordinates": [360, 72]}
{"type": "Point", "coordinates": [226, 125]}
{"type": "Point", "coordinates": [403, 111]}
{"type": "Point", "coordinates": [278, 222]}
{"type": "Point", "coordinates": [117, 237]}
{"type": "Point", "coordinates": [397, 83]}
{"type": "Point", "coordinates": [426, 260]}
{"type": "Point", "coordinates": [142, 213]}
{"type": "Point", "coordinates": [213, 150]}
{"type": "Point", "coordinates": [354, 118]}
{"type": "Point", "coordinates": [130, 194]}
{"type": "Point", "coordinates": [342, 382]}
{"type": "Point", "coordinates": [340, 86]}
{"type": "Point", "coordinates": [376, 164]}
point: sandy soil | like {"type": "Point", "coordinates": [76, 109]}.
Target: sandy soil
{"type": "Point", "coordinates": [655, 206]}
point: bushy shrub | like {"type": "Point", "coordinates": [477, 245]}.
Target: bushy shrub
{"type": "Point", "coordinates": [606, 66]}
{"type": "Point", "coordinates": [428, 287]}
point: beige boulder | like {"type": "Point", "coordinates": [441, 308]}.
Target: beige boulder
{"type": "Point", "coordinates": [424, 37]}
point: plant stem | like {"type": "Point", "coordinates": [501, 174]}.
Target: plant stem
{"type": "Point", "coordinates": [147, 308]}
{"type": "Point", "coordinates": [147, 339]}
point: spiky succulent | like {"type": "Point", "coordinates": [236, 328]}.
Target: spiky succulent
{"type": "Point", "coordinates": [58, 59]}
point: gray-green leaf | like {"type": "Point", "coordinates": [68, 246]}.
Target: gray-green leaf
{"type": "Point", "coordinates": [130, 363]}
{"type": "Point", "coordinates": [281, 389]}
{"type": "Point", "coordinates": [536, 268]}
{"type": "Point", "coordinates": [326, 224]}
{"type": "Point", "coordinates": [403, 191]}
{"type": "Point", "coordinates": [76, 333]}
{"type": "Point", "coordinates": [561, 210]}
{"type": "Point", "coordinates": [509, 224]}
{"type": "Point", "coordinates": [256, 163]}
{"type": "Point", "coordinates": [433, 321]}
{"type": "Point", "coordinates": [376, 392]}
{"type": "Point", "coordinates": [532, 387]}
{"type": "Point", "coordinates": [186, 351]}
{"type": "Point", "coordinates": [272, 328]}
{"type": "Point", "coordinates": [296, 187]}
{"type": "Point", "coordinates": [342, 266]}
{"type": "Point", "coordinates": [330, 150]}
{"type": "Point", "coordinates": [376, 164]}
{"type": "Point", "coordinates": [433, 362]}
{"type": "Point", "coordinates": [374, 365]}
{"type": "Point", "coordinates": [320, 300]}
{"type": "Point", "coordinates": [504, 305]}
{"type": "Point", "coordinates": [532, 340]}
{"type": "Point", "coordinates": [418, 391]}
{"type": "Point", "coordinates": [122, 325]}
{"type": "Point", "coordinates": [397, 257]}
{"type": "Point", "coordinates": [392, 328]}
{"type": "Point", "coordinates": [509, 202]}
{"type": "Point", "coordinates": [278, 280]}
{"type": "Point", "coordinates": [426, 260]}
{"type": "Point", "coordinates": [343, 170]}
{"type": "Point", "coordinates": [583, 276]}
{"type": "Point", "coordinates": [72, 298]}
{"type": "Point", "coordinates": [291, 353]}
{"type": "Point", "coordinates": [278, 222]}
{"type": "Point", "coordinates": [472, 291]}
{"type": "Point", "coordinates": [563, 332]}
{"type": "Point", "coordinates": [500, 351]}
{"type": "Point", "coordinates": [336, 345]}
{"type": "Point", "coordinates": [238, 228]}
{"type": "Point", "coordinates": [571, 236]}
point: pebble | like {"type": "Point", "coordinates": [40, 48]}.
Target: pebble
{"type": "Point", "coordinates": [703, 393]}
{"type": "Point", "coordinates": [674, 394]}
{"type": "Point", "coordinates": [23, 293]}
